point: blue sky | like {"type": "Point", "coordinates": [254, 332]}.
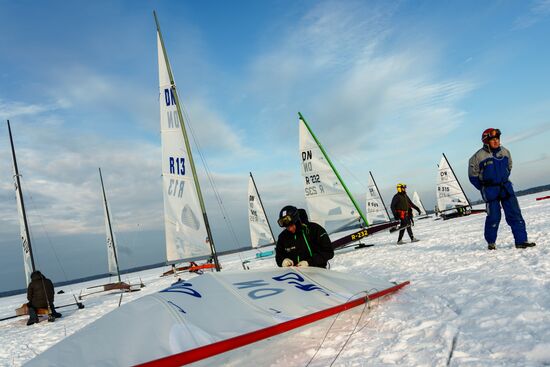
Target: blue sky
{"type": "Point", "coordinates": [386, 86]}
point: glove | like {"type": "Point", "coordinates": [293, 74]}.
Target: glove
{"type": "Point", "coordinates": [286, 263]}
{"type": "Point", "coordinates": [418, 210]}
{"type": "Point", "coordinates": [303, 263]}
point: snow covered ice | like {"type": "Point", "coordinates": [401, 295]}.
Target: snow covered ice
{"type": "Point", "coordinates": [466, 306]}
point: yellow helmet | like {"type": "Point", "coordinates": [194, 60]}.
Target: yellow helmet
{"type": "Point", "coordinates": [401, 187]}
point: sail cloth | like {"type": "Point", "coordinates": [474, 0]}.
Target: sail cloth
{"type": "Point", "coordinates": [416, 201]}
{"type": "Point", "coordinates": [449, 193]}
{"type": "Point", "coordinates": [376, 210]}
{"type": "Point", "coordinates": [260, 233]}
{"type": "Point", "coordinates": [328, 203]}
{"type": "Point", "coordinates": [27, 259]}
{"type": "Point", "coordinates": [111, 256]}
{"type": "Point", "coordinates": [186, 236]}
{"type": "Point", "coordinates": [215, 312]}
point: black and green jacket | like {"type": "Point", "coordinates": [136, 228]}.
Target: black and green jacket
{"type": "Point", "coordinates": [310, 242]}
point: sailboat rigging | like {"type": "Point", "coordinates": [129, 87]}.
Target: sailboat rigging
{"type": "Point", "coordinates": [188, 233]}
{"type": "Point", "coordinates": [261, 233]}
{"type": "Point", "coordinates": [376, 208]}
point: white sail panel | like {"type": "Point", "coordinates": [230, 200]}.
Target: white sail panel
{"type": "Point", "coordinates": [416, 201]}
{"type": "Point", "coordinates": [111, 256]}
{"type": "Point", "coordinates": [327, 201]}
{"type": "Point", "coordinates": [184, 224]}
{"type": "Point", "coordinates": [194, 313]}
{"type": "Point", "coordinates": [376, 210]}
{"type": "Point", "coordinates": [449, 192]}
{"type": "Point", "coordinates": [260, 233]}
{"type": "Point", "coordinates": [24, 240]}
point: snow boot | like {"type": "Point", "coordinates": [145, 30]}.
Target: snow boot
{"type": "Point", "coordinates": [491, 246]}
{"type": "Point", "coordinates": [414, 239]}
{"type": "Point", "coordinates": [32, 320]}
{"type": "Point", "coordinates": [525, 245]}
{"type": "Point", "coordinates": [400, 242]}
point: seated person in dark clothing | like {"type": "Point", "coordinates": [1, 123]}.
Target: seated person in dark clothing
{"type": "Point", "coordinates": [40, 294]}
{"type": "Point", "coordinates": [302, 243]}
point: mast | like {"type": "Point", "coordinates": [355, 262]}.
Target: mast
{"type": "Point", "coordinates": [262, 205]}
{"type": "Point", "coordinates": [334, 170]}
{"type": "Point", "coordinates": [25, 235]}
{"type": "Point", "coordinates": [110, 228]}
{"type": "Point", "coordinates": [456, 178]}
{"type": "Point", "coordinates": [188, 148]}
{"type": "Point", "coordinates": [379, 194]}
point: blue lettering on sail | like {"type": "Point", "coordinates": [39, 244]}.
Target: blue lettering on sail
{"type": "Point", "coordinates": [169, 97]}
{"type": "Point", "coordinates": [182, 287]}
{"type": "Point", "coordinates": [176, 166]}
{"type": "Point", "coordinates": [176, 306]}
{"type": "Point", "coordinates": [297, 280]}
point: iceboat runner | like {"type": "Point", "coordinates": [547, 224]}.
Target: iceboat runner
{"type": "Point", "coordinates": [452, 201]}
{"type": "Point", "coordinates": [28, 257]}
{"type": "Point", "coordinates": [261, 233]}
{"type": "Point", "coordinates": [112, 255]}
{"type": "Point", "coordinates": [329, 201]}
{"type": "Point", "coordinates": [186, 226]}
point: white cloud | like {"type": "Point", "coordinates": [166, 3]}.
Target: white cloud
{"type": "Point", "coordinates": [538, 10]}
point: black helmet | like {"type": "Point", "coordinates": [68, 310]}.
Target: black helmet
{"type": "Point", "coordinates": [288, 215]}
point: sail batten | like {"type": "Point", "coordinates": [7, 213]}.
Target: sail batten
{"type": "Point", "coordinates": [187, 231]}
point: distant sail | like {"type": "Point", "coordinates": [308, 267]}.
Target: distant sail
{"type": "Point", "coordinates": [111, 247]}
{"type": "Point", "coordinates": [449, 192]}
{"type": "Point", "coordinates": [328, 203]}
{"type": "Point", "coordinates": [260, 231]}
{"type": "Point", "coordinates": [416, 200]}
{"type": "Point", "coordinates": [186, 235]}
{"type": "Point", "coordinates": [376, 210]}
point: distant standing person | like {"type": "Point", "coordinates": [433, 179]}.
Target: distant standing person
{"type": "Point", "coordinates": [401, 207]}
{"type": "Point", "coordinates": [40, 294]}
{"type": "Point", "coordinates": [489, 171]}
{"type": "Point", "coordinates": [302, 243]}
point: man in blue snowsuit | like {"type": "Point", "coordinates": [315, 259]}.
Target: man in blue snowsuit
{"type": "Point", "coordinates": [489, 171]}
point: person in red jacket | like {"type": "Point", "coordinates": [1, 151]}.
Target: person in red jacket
{"type": "Point", "coordinates": [401, 207]}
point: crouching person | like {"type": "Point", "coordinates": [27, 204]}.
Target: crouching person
{"type": "Point", "coordinates": [40, 294]}
{"type": "Point", "coordinates": [301, 243]}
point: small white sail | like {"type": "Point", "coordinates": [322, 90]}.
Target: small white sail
{"type": "Point", "coordinates": [328, 203]}
{"type": "Point", "coordinates": [111, 250]}
{"type": "Point", "coordinates": [260, 232]}
{"type": "Point", "coordinates": [27, 256]}
{"type": "Point", "coordinates": [376, 210]}
{"type": "Point", "coordinates": [416, 201]}
{"type": "Point", "coordinates": [449, 191]}
{"type": "Point", "coordinates": [185, 230]}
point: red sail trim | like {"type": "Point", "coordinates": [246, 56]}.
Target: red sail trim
{"type": "Point", "coordinates": [223, 346]}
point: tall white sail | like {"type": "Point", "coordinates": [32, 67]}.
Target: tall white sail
{"type": "Point", "coordinates": [327, 201]}
{"type": "Point", "coordinates": [185, 230]}
{"type": "Point", "coordinates": [28, 259]}
{"type": "Point", "coordinates": [416, 200]}
{"type": "Point", "coordinates": [260, 232]}
{"type": "Point", "coordinates": [449, 191]}
{"type": "Point", "coordinates": [376, 210]}
{"type": "Point", "coordinates": [111, 249]}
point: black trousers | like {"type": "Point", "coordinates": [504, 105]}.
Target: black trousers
{"type": "Point", "coordinates": [405, 222]}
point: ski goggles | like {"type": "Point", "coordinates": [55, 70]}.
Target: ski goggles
{"type": "Point", "coordinates": [285, 221]}
{"type": "Point", "coordinates": [492, 134]}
